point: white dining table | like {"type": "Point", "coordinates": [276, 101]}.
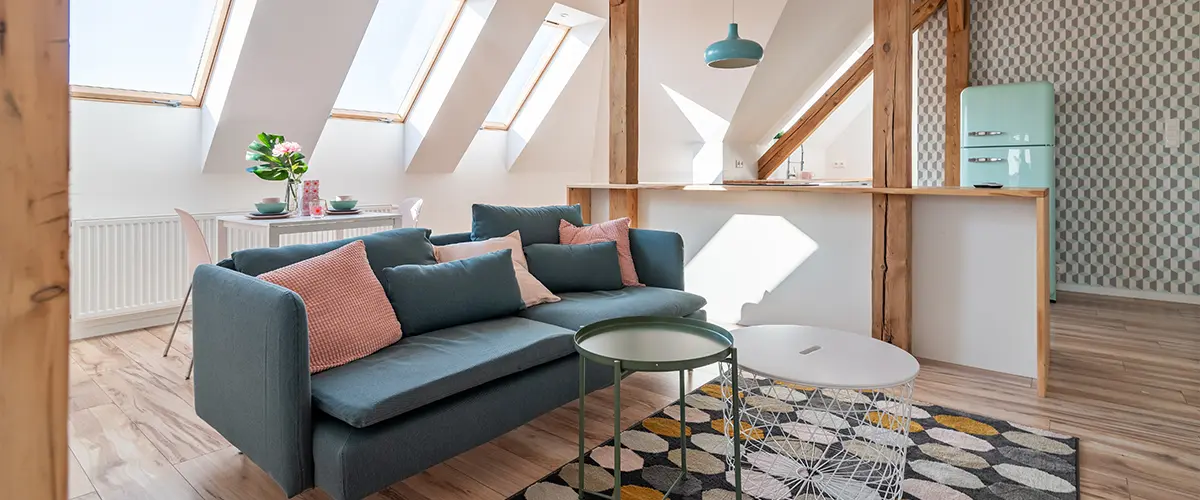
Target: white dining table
{"type": "Point", "coordinates": [301, 224]}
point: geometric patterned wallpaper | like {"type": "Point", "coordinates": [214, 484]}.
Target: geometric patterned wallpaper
{"type": "Point", "coordinates": [1128, 206]}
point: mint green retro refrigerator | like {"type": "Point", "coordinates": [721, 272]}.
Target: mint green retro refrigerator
{"type": "Point", "coordinates": [1008, 137]}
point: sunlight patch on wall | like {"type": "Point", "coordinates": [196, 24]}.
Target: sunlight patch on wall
{"type": "Point", "coordinates": [707, 165]}
{"type": "Point", "coordinates": [749, 256]}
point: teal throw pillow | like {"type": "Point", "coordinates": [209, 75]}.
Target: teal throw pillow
{"type": "Point", "coordinates": [536, 224]}
{"type": "Point", "coordinates": [575, 268]}
{"type": "Point", "coordinates": [432, 297]}
{"type": "Point", "coordinates": [384, 249]}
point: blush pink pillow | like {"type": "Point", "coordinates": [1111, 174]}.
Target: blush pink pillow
{"type": "Point", "coordinates": [613, 230]}
{"type": "Point", "coordinates": [533, 292]}
{"type": "Point", "coordinates": [349, 316]}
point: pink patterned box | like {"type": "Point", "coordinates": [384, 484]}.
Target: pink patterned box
{"type": "Point", "coordinates": [311, 193]}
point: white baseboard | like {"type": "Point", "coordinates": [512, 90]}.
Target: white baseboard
{"type": "Point", "coordinates": [1131, 294]}
{"type": "Point", "coordinates": [115, 324]}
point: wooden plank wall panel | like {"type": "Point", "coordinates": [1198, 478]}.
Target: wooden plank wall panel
{"type": "Point", "coordinates": [582, 197]}
{"type": "Point", "coordinates": [958, 65]}
{"type": "Point", "coordinates": [34, 317]}
{"type": "Point", "coordinates": [808, 123]}
{"type": "Point", "coordinates": [892, 150]}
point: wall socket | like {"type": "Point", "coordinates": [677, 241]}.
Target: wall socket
{"type": "Point", "coordinates": [839, 164]}
{"type": "Point", "coordinates": [1171, 133]}
{"type": "Point", "coordinates": [739, 164]}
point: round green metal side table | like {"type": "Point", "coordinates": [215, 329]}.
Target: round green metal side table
{"type": "Point", "coordinates": [654, 344]}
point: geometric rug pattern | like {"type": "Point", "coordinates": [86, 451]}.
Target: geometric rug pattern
{"type": "Point", "coordinates": [951, 455]}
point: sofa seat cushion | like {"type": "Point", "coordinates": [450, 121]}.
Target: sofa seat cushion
{"type": "Point", "coordinates": [579, 309]}
{"type": "Point", "coordinates": [419, 370]}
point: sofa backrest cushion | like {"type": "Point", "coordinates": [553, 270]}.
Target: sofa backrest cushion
{"type": "Point", "coordinates": [536, 224]}
{"type": "Point", "coordinates": [384, 249]}
{"type": "Point", "coordinates": [576, 268]}
{"type": "Point", "coordinates": [533, 292]}
{"type": "Point", "coordinates": [430, 297]}
{"type": "Point", "coordinates": [348, 314]}
{"type": "Point", "coordinates": [616, 230]}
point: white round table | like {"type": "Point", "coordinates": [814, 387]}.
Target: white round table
{"type": "Point", "coordinates": [825, 413]}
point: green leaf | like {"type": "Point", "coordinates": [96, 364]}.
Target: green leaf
{"type": "Point", "coordinates": [270, 173]}
{"type": "Point", "coordinates": [260, 147]}
{"type": "Point", "coordinates": [254, 156]}
{"type": "Point", "coordinates": [264, 138]}
{"type": "Point", "coordinates": [300, 169]}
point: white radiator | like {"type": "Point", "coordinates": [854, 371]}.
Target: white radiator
{"type": "Point", "coordinates": [124, 268]}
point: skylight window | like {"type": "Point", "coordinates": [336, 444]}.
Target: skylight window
{"type": "Point", "coordinates": [400, 47]}
{"type": "Point", "coordinates": [144, 50]}
{"type": "Point", "coordinates": [525, 77]}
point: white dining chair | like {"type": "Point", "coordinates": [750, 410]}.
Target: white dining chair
{"type": "Point", "coordinates": [197, 254]}
{"type": "Point", "coordinates": [410, 211]}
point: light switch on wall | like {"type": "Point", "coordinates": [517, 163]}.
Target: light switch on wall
{"type": "Point", "coordinates": [1171, 133]}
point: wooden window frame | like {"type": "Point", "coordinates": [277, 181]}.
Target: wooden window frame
{"type": "Point", "coordinates": [543, 65]}
{"type": "Point", "coordinates": [418, 83]}
{"type": "Point", "coordinates": [212, 44]}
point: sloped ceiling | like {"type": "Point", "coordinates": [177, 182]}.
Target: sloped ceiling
{"type": "Point", "coordinates": [810, 39]}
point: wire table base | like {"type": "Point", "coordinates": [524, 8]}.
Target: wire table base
{"type": "Point", "coordinates": [809, 442]}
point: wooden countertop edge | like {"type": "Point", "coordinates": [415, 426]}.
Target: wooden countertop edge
{"type": "Point", "coordinates": [1008, 192]}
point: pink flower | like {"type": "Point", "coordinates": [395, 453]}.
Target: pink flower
{"type": "Point", "coordinates": [285, 148]}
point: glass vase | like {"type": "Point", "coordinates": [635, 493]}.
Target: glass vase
{"type": "Point", "coordinates": [290, 197]}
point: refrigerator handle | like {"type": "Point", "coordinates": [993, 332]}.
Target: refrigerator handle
{"type": "Point", "coordinates": [985, 133]}
{"type": "Point", "coordinates": [986, 160]}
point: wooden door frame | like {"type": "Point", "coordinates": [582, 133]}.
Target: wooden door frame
{"type": "Point", "coordinates": [34, 275]}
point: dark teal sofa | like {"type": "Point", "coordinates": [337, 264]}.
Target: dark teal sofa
{"type": "Point", "coordinates": [357, 428]}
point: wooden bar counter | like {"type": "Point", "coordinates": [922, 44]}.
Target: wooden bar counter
{"type": "Point", "coordinates": [801, 254]}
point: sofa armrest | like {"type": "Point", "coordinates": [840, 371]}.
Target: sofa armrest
{"type": "Point", "coordinates": [252, 380]}
{"type": "Point", "coordinates": [449, 238]}
{"type": "Point", "coordinates": [657, 257]}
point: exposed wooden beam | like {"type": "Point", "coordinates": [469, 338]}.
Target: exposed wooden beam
{"type": "Point", "coordinates": [958, 65]}
{"type": "Point", "coordinates": [891, 276]}
{"type": "Point", "coordinates": [1043, 294]}
{"type": "Point", "coordinates": [623, 91]}
{"type": "Point", "coordinates": [623, 203]}
{"type": "Point", "coordinates": [845, 85]}
{"type": "Point", "coordinates": [34, 278]}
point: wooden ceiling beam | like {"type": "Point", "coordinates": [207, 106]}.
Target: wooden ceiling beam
{"type": "Point", "coordinates": [841, 89]}
{"type": "Point", "coordinates": [958, 66]}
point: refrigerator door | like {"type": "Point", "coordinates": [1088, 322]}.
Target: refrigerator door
{"type": "Point", "coordinates": [1017, 167]}
{"type": "Point", "coordinates": [1008, 115]}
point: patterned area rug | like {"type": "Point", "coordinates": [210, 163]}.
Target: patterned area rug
{"type": "Point", "coordinates": [951, 455]}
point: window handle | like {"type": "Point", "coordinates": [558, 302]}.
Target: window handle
{"type": "Point", "coordinates": [3, 29]}
{"type": "Point", "coordinates": [171, 103]}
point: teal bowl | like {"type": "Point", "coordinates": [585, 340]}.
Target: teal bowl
{"type": "Point", "coordinates": [343, 204]}
{"type": "Point", "coordinates": [270, 208]}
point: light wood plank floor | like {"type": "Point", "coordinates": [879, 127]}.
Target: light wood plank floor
{"type": "Point", "coordinates": [1125, 378]}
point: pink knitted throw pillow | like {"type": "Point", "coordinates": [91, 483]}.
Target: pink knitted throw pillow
{"type": "Point", "coordinates": [349, 316]}
{"type": "Point", "coordinates": [613, 230]}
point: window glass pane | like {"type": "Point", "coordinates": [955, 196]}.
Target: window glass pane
{"type": "Point", "coordinates": [397, 41]}
{"type": "Point", "coordinates": [146, 45]}
{"type": "Point", "coordinates": [535, 60]}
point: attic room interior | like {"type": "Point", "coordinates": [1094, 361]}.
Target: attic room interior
{"type": "Point", "coordinates": [569, 249]}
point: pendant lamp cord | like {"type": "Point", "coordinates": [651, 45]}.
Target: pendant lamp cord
{"type": "Point", "coordinates": [733, 11]}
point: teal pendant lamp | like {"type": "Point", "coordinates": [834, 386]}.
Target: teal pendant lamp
{"type": "Point", "coordinates": [733, 52]}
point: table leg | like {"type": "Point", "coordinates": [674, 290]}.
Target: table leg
{"type": "Point", "coordinates": [737, 425]}
{"type": "Point", "coordinates": [616, 430]}
{"type": "Point", "coordinates": [582, 396]}
{"type": "Point", "coordinates": [682, 427]}
{"type": "Point", "coordinates": [222, 240]}
{"type": "Point", "coordinates": [272, 237]}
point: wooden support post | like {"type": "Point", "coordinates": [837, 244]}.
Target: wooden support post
{"type": "Point", "coordinates": [623, 28]}
{"type": "Point", "coordinates": [583, 198]}
{"type": "Point", "coordinates": [891, 283]}
{"type": "Point", "coordinates": [958, 65]}
{"type": "Point", "coordinates": [623, 203]}
{"type": "Point", "coordinates": [34, 318]}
